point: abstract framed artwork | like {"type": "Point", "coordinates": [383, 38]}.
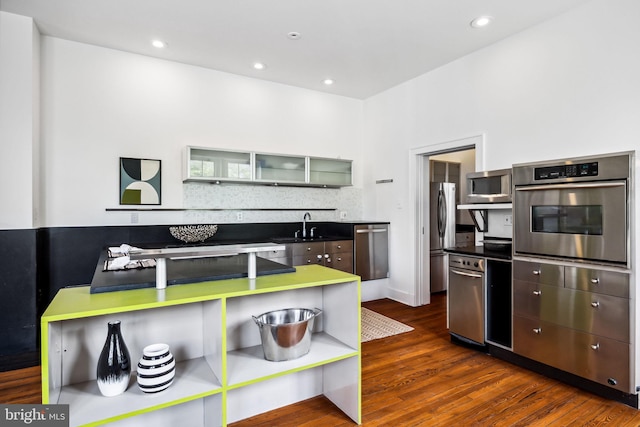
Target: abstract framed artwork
{"type": "Point", "coordinates": [140, 181]}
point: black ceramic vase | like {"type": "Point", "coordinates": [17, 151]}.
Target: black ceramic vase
{"type": "Point", "coordinates": [114, 365]}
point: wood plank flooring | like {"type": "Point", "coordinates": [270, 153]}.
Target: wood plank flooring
{"type": "Point", "coordinates": [420, 379]}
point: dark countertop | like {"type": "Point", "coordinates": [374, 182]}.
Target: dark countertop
{"type": "Point", "coordinates": [480, 251]}
{"type": "Point", "coordinates": [182, 271]}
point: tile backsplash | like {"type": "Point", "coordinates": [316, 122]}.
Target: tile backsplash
{"type": "Point", "coordinates": [237, 202]}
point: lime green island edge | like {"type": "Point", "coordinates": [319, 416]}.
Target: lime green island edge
{"type": "Point", "coordinates": [221, 374]}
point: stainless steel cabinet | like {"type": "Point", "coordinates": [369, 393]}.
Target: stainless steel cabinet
{"type": "Point", "coordinates": [575, 319]}
{"type": "Point", "coordinates": [307, 253]}
{"type": "Point", "coordinates": [340, 255]}
{"type": "Point", "coordinates": [336, 254]}
{"type": "Point", "coordinates": [596, 358]}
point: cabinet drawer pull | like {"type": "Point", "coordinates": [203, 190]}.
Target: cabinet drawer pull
{"type": "Point", "coordinates": [339, 259]}
{"type": "Point", "coordinates": [537, 292]}
{"type": "Point", "coordinates": [536, 272]}
{"type": "Point", "coordinates": [595, 280]}
{"type": "Point", "coordinates": [326, 256]}
{"type": "Point", "coordinates": [537, 330]}
{"type": "Point", "coordinates": [319, 256]}
{"type": "Point", "coordinates": [339, 246]}
{"type": "Point", "coordinates": [595, 304]}
{"type": "Point", "coordinates": [308, 249]}
{"type": "Point", "coordinates": [595, 346]}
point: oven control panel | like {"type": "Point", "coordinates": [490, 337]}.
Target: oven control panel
{"type": "Point", "coordinates": [466, 262]}
{"type": "Point", "coordinates": [566, 171]}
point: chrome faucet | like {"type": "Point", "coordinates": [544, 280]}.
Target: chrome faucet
{"type": "Point", "coordinates": [306, 216]}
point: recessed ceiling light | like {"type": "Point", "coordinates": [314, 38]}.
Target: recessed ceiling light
{"type": "Point", "coordinates": [294, 35]}
{"type": "Point", "coordinates": [159, 44]}
{"type": "Point", "coordinates": [328, 82]}
{"type": "Point", "coordinates": [481, 21]}
{"type": "Point", "coordinates": [259, 66]}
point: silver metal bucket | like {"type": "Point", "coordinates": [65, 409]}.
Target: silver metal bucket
{"type": "Point", "coordinates": [286, 334]}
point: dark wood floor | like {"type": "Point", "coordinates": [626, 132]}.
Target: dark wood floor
{"type": "Point", "coordinates": [420, 379]}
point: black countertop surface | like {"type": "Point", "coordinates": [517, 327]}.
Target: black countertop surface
{"type": "Point", "coordinates": [182, 271]}
{"type": "Point", "coordinates": [480, 251]}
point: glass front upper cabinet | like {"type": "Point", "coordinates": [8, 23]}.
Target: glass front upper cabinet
{"type": "Point", "coordinates": [204, 164]}
{"type": "Point", "coordinates": [330, 172]}
{"type": "Point", "coordinates": [272, 168]}
{"type": "Point", "coordinates": [216, 165]}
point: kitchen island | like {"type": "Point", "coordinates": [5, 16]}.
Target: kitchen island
{"type": "Point", "coordinates": [221, 374]}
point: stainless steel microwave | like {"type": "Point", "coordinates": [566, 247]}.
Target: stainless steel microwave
{"type": "Point", "coordinates": [489, 186]}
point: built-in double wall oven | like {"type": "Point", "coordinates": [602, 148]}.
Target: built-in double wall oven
{"type": "Point", "coordinates": [572, 276]}
{"type": "Point", "coordinates": [576, 209]}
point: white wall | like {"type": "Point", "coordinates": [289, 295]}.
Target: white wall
{"type": "Point", "coordinates": [568, 87]}
{"type": "Point", "coordinates": [19, 92]}
{"type": "Point", "coordinates": [100, 104]}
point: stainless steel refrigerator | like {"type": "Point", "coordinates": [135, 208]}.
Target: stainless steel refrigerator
{"type": "Point", "coordinates": [442, 230]}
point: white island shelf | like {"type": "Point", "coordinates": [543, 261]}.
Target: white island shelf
{"type": "Point", "coordinates": [216, 344]}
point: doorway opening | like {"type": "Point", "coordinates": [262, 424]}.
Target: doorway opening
{"type": "Point", "coordinates": [441, 186]}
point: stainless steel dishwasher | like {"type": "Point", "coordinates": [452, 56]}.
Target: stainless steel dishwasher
{"type": "Point", "coordinates": [466, 298]}
{"type": "Point", "coordinates": [371, 251]}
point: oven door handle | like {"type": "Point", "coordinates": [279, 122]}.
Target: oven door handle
{"type": "Point", "coordinates": [572, 185]}
{"type": "Point", "coordinates": [462, 273]}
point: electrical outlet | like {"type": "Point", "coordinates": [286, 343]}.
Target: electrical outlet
{"type": "Point", "coordinates": [240, 216]}
{"type": "Point", "coordinates": [508, 220]}
{"type": "Point", "coordinates": [343, 215]}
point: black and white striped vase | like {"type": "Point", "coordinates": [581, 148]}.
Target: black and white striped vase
{"type": "Point", "coordinates": [114, 364]}
{"type": "Point", "coordinates": [156, 368]}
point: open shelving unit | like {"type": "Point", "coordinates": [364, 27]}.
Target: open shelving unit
{"type": "Point", "coordinates": [220, 364]}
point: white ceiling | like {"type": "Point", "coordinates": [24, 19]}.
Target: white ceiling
{"type": "Point", "coordinates": [366, 46]}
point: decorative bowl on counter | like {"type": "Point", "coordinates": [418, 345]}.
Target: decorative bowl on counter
{"type": "Point", "coordinates": [193, 233]}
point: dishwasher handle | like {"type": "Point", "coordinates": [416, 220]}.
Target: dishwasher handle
{"type": "Point", "coordinates": [466, 274]}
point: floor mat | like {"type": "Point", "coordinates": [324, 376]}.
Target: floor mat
{"type": "Point", "coordinates": [375, 326]}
